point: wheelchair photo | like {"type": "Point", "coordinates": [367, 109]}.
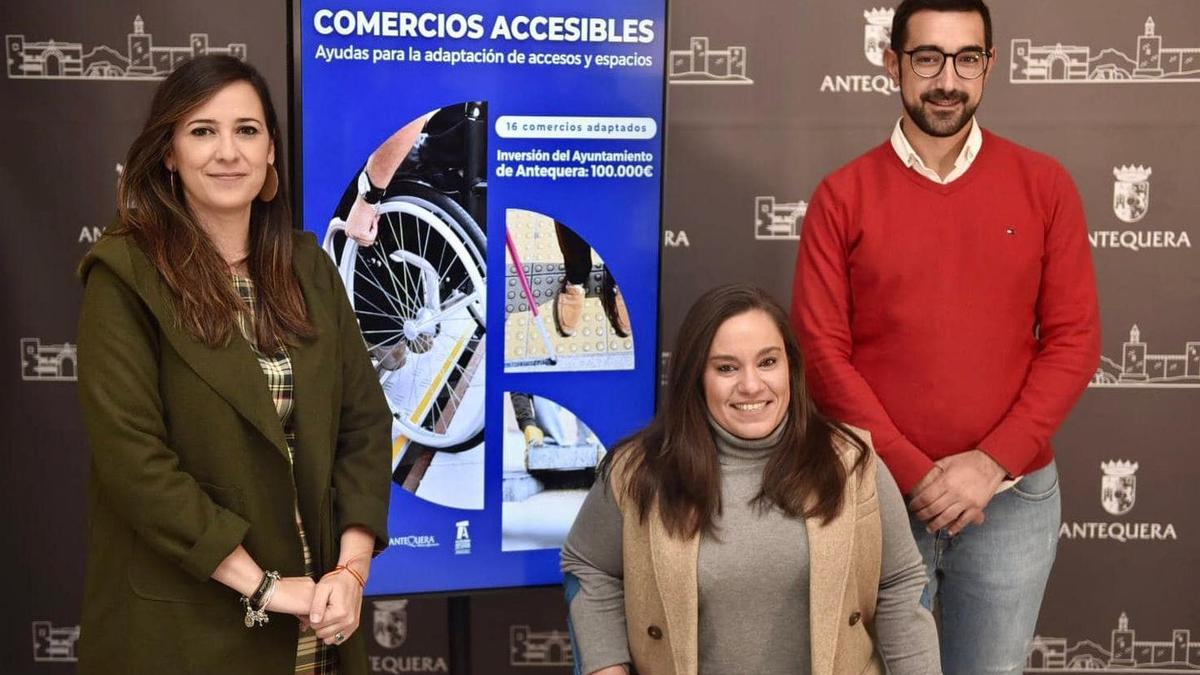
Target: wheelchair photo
{"type": "Point", "coordinates": [418, 286]}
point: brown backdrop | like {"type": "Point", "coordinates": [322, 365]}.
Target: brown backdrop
{"type": "Point", "coordinates": [1109, 88]}
{"type": "Point", "coordinates": [791, 90]}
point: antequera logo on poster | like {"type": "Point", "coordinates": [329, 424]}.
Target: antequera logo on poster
{"type": "Point", "coordinates": [486, 178]}
{"type": "Point", "coordinates": [1064, 63]}
{"type": "Point", "coordinates": [139, 59]}
{"type": "Point", "coordinates": [1130, 205]}
{"type": "Point", "coordinates": [462, 537]}
{"type": "Point", "coordinates": [876, 38]}
{"type": "Point", "coordinates": [1123, 652]}
{"type": "Point", "coordinates": [1118, 495]}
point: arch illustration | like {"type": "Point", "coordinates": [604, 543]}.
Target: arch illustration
{"type": "Point", "coordinates": [52, 63]}
{"type": "Point", "coordinates": [1057, 66]}
{"type": "Point", "coordinates": [66, 364]}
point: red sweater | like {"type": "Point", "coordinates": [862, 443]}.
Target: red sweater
{"type": "Point", "coordinates": [945, 318]}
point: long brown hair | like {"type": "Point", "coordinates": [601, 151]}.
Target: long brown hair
{"type": "Point", "coordinates": [673, 461]}
{"type": "Point", "coordinates": [152, 210]}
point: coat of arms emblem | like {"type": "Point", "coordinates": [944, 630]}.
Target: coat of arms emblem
{"type": "Point", "coordinates": [1118, 487]}
{"type": "Point", "coordinates": [1131, 192]}
{"type": "Point", "coordinates": [391, 623]}
{"type": "Point", "coordinates": [877, 34]}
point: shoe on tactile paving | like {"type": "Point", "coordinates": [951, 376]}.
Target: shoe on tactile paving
{"type": "Point", "coordinates": [614, 309]}
{"type": "Point", "coordinates": [568, 309]}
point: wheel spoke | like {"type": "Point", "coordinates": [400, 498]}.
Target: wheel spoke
{"type": "Point", "coordinates": [411, 304]}
{"type": "Point", "coordinates": [397, 312]}
{"type": "Point", "coordinates": [408, 280]}
{"type": "Point", "coordinates": [374, 281]}
{"type": "Point", "coordinates": [447, 279]}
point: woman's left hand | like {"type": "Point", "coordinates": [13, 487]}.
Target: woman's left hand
{"type": "Point", "coordinates": [337, 606]}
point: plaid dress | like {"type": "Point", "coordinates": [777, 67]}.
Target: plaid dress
{"type": "Point", "coordinates": [313, 657]}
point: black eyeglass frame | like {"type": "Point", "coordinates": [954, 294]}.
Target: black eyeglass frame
{"type": "Point", "coordinates": [947, 56]}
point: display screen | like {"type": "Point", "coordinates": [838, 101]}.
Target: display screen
{"type": "Point", "coordinates": [487, 178]}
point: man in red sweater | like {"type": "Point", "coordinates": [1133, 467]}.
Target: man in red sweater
{"type": "Point", "coordinates": [946, 302]}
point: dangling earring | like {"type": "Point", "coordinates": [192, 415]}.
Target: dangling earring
{"type": "Point", "coordinates": [171, 174]}
{"type": "Point", "coordinates": [270, 186]}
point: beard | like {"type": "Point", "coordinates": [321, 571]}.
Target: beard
{"type": "Point", "coordinates": [940, 123]}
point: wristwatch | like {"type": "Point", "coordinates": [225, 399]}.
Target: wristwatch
{"type": "Point", "coordinates": [369, 193]}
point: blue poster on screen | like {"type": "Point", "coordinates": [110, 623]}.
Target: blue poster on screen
{"type": "Point", "coordinates": [487, 178]}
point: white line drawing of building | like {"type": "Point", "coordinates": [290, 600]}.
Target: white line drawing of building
{"type": "Point", "coordinates": [48, 363]}
{"type": "Point", "coordinates": [701, 65]}
{"type": "Point", "coordinates": [142, 60]}
{"type": "Point", "coordinates": [546, 648]}
{"type": "Point", "coordinates": [52, 644]}
{"type": "Point", "coordinates": [1125, 653]}
{"type": "Point", "coordinates": [1141, 369]}
{"type": "Point", "coordinates": [778, 220]}
{"type": "Point", "coordinates": [1059, 63]}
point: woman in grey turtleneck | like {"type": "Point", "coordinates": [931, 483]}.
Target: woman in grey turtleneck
{"type": "Point", "coordinates": [741, 532]}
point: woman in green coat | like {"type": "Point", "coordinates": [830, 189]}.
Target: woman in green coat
{"type": "Point", "coordinates": [240, 444]}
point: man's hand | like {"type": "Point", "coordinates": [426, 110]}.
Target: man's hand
{"type": "Point", "coordinates": [954, 494]}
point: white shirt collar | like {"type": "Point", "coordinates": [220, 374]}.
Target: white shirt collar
{"type": "Point", "coordinates": [913, 161]}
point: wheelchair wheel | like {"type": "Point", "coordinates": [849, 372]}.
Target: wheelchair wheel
{"type": "Point", "coordinates": [420, 296]}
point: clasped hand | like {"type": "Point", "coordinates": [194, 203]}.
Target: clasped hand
{"type": "Point", "coordinates": [330, 606]}
{"type": "Point", "coordinates": [955, 492]}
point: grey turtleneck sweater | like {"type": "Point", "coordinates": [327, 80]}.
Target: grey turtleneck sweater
{"type": "Point", "coordinates": [753, 575]}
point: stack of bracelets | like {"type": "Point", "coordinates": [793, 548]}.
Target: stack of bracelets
{"type": "Point", "coordinates": [256, 604]}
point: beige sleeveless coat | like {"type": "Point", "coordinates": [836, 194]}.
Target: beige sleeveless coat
{"type": "Point", "coordinates": [662, 601]}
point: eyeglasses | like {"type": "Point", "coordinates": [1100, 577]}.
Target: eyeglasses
{"type": "Point", "coordinates": [969, 63]}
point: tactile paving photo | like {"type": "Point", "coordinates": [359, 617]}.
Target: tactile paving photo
{"type": "Point", "coordinates": [563, 307]}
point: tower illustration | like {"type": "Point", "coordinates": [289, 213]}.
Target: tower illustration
{"type": "Point", "coordinates": [1149, 52]}
{"type": "Point", "coordinates": [699, 54]}
{"type": "Point", "coordinates": [1122, 643]}
{"type": "Point", "coordinates": [139, 49]}
{"type": "Point", "coordinates": [737, 61]}
{"type": "Point", "coordinates": [1181, 638]}
{"type": "Point", "coordinates": [1133, 357]}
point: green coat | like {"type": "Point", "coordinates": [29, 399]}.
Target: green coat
{"type": "Point", "coordinates": [188, 460]}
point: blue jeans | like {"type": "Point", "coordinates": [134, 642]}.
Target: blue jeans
{"type": "Point", "coordinates": [988, 581]}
